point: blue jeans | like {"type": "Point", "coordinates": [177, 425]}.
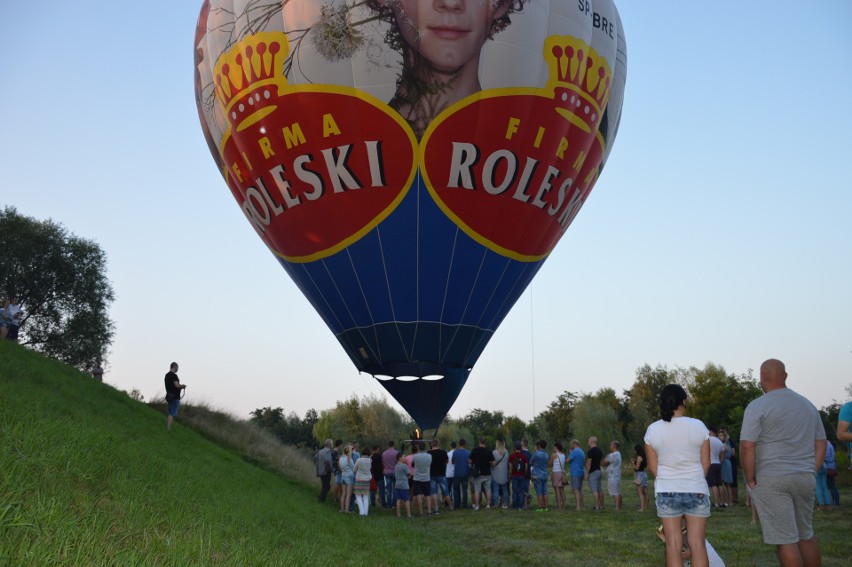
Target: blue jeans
{"type": "Point", "coordinates": [380, 488]}
{"type": "Point", "coordinates": [459, 492]}
{"type": "Point", "coordinates": [499, 491]}
{"type": "Point", "coordinates": [832, 489]}
{"type": "Point", "coordinates": [519, 492]}
{"type": "Point", "coordinates": [822, 495]}
{"type": "Point", "coordinates": [389, 497]}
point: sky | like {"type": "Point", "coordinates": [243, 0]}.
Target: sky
{"type": "Point", "coordinates": [719, 231]}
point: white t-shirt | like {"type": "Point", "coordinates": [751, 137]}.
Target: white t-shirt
{"type": "Point", "coordinates": [716, 449]}
{"type": "Point", "coordinates": [678, 446]}
{"type": "Point", "coordinates": [451, 468]}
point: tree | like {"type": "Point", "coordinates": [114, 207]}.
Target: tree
{"type": "Point", "coordinates": [369, 420]}
{"type": "Point", "coordinates": [556, 419]}
{"type": "Point", "coordinates": [595, 416]}
{"type": "Point", "coordinates": [288, 429]}
{"type": "Point", "coordinates": [829, 415]}
{"type": "Point", "coordinates": [60, 280]}
{"type": "Point", "coordinates": [643, 399]}
{"type": "Point", "coordinates": [483, 423]}
{"type": "Point", "coordinates": [719, 399]}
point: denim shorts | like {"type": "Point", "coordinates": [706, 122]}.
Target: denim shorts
{"type": "Point", "coordinates": [173, 407]}
{"type": "Point", "coordinates": [439, 486]}
{"type": "Point", "coordinates": [595, 481]}
{"type": "Point", "coordinates": [540, 486]}
{"type": "Point", "coordinates": [577, 482]}
{"type": "Point", "coordinates": [677, 504]}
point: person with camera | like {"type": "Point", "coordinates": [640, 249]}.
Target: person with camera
{"type": "Point", "coordinates": [173, 390]}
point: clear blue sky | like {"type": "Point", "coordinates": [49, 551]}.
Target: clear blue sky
{"type": "Point", "coordinates": [720, 230]}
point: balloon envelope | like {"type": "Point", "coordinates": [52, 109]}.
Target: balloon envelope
{"type": "Point", "coordinates": [410, 164]}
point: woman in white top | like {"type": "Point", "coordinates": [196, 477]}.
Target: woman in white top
{"type": "Point", "coordinates": [557, 466]}
{"type": "Point", "coordinates": [363, 476]}
{"type": "Point", "coordinates": [678, 452]}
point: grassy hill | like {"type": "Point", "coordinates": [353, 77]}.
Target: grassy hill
{"type": "Point", "coordinates": [89, 476]}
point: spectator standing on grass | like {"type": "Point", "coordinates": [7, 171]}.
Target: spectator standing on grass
{"type": "Point", "coordinates": [363, 476]}
{"type": "Point", "coordinates": [460, 459]}
{"type": "Point", "coordinates": [500, 475]}
{"type": "Point", "coordinates": [335, 466]}
{"type": "Point", "coordinates": [98, 372]}
{"type": "Point", "coordinates": [377, 470]}
{"type": "Point", "coordinates": [5, 318]}
{"type": "Point", "coordinates": [481, 460]}
{"type": "Point", "coordinates": [422, 488]}
{"type": "Point", "coordinates": [844, 420]}
{"type": "Point", "coordinates": [731, 457]}
{"type": "Point", "coordinates": [389, 460]}
{"type": "Point", "coordinates": [402, 494]}
{"type": "Point", "coordinates": [831, 473]}
{"type": "Point", "coordinates": [347, 478]}
{"type": "Point", "coordinates": [322, 462]}
{"type": "Point", "coordinates": [525, 449]}
{"type": "Point", "coordinates": [16, 317]}
{"type": "Point", "coordinates": [538, 468]}
{"type": "Point", "coordinates": [438, 475]}
{"type": "Point", "coordinates": [678, 451]}
{"type": "Point", "coordinates": [518, 464]}
{"type": "Point", "coordinates": [577, 464]}
{"type": "Point", "coordinates": [173, 389]}
{"type": "Point", "coordinates": [640, 479]}
{"type": "Point", "coordinates": [451, 469]}
{"type": "Point", "coordinates": [594, 474]}
{"type": "Point", "coordinates": [613, 474]}
{"type": "Point", "coordinates": [714, 476]}
{"type": "Point", "coordinates": [557, 467]}
{"type": "Point", "coordinates": [356, 454]}
{"type": "Point", "coordinates": [782, 444]}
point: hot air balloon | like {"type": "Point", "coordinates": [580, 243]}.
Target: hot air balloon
{"type": "Point", "coordinates": [411, 165]}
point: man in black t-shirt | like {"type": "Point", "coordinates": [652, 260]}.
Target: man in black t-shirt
{"type": "Point", "coordinates": [173, 388]}
{"type": "Point", "coordinates": [481, 461]}
{"type": "Point", "coordinates": [438, 474]}
{"type": "Point", "coordinates": [593, 472]}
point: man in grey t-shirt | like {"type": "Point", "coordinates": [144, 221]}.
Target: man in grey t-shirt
{"type": "Point", "coordinates": [782, 444]}
{"type": "Point", "coordinates": [421, 485]}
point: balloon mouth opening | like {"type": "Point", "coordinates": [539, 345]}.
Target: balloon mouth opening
{"type": "Point", "coordinates": [417, 370]}
{"type": "Point", "coordinates": [430, 378]}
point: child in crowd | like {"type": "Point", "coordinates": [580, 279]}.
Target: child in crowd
{"type": "Point", "coordinates": [402, 491]}
{"type": "Point", "coordinates": [713, 558]}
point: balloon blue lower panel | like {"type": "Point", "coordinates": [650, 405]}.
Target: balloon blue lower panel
{"type": "Point", "coordinates": [417, 350]}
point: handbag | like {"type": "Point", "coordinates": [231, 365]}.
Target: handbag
{"type": "Point", "coordinates": [637, 481]}
{"type": "Point", "coordinates": [831, 473]}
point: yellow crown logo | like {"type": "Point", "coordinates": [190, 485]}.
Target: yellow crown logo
{"type": "Point", "coordinates": [580, 79]}
{"type": "Point", "coordinates": [248, 75]}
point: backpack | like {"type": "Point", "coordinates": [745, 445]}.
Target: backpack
{"type": "Point", "coordinates": [518, 466]}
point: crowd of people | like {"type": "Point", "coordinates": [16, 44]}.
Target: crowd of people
{"type": "Point", "coordinates": [433, 478]}
{"type": "Point", "coordinates": [784, 455]}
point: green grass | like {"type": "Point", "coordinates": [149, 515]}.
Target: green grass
{"type": "Point", "coordinates": [89, 476]}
